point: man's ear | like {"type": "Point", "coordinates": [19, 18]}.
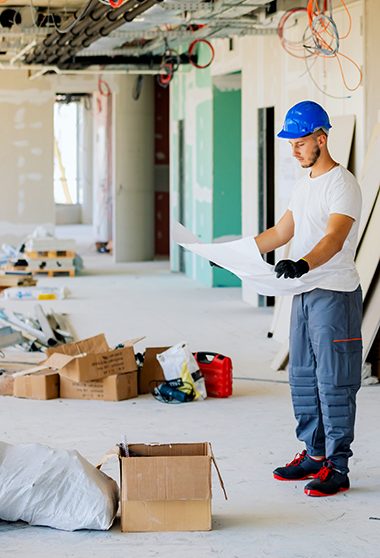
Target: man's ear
{"type": "Point", "coordinates": [322, 140]}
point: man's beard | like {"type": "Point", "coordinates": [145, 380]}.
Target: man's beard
{"type": "Point", "coordinates": [314, 158]}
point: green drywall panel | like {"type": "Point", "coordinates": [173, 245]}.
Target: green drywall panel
{"type": "Point", "coordinates": [203, 76]}
{"type": "Point", "coordinates": [188, 202]}
{"type": "Point", "coordinates": [187, 98]}
{"type": "Point", "coordinates": [203, 139]}
{"type": "Point", "coordinates": [227, 173]}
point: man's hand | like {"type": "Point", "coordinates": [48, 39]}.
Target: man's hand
{"type": "Point", "coordinates": [291, 269]}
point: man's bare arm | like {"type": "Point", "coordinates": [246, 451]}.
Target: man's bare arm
{"type": "Point", "coordinates": [338, 227]}
{"type": "Point", "coordinates": [278, 235]}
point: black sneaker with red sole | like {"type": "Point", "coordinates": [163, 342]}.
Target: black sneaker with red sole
{"type": "Point", "coordinates": [302, 467]}
{"type": "Point", "coordinates": [328, 482]}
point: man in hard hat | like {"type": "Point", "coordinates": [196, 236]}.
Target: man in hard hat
{"type": "Point", "coordinates": [325, 356]}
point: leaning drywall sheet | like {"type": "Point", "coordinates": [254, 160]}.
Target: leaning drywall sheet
{"type": "Point", "coordinates": [370, 178]}
{"type": "Point", "coordinates": [340, 137]}
{"type": "Point", "coordinates": [369, 252]}
{"type": "Point", "coordinates": [371, 319]}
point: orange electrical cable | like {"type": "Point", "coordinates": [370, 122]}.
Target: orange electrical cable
{"type": "Point", "coordinates": [349, 20]}
{"type": "Point", "coordinates": [342, 72]}
{"type": "Point", "coordinates": [325, 36]}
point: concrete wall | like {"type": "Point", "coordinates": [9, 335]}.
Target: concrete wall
{"type": "Point", "coordinates": [133, 127]}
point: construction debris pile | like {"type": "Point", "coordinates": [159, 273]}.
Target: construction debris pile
{"type": "Point", "coordinates": [91, 369]}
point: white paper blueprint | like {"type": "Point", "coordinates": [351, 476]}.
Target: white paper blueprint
{"type": "Point", "coordinates": [242, 257]}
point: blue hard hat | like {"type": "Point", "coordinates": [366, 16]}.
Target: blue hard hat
{"type": "Point", "coordinates": [304, 119]}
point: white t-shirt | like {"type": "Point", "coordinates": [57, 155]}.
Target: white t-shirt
{"type": "Point", "coordinates": [312, 202]}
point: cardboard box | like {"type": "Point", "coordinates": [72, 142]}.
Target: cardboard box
{"type": "Point", "coordinates": [166, 487]}
{"type": "Point", "coordinates": [151, 371]}
{"type": "Point", "coordinates": [92, 359]}
{"type": "Point", "coordinates": [6, 384]}
{"type": "Point", "coordinates": [113, 388]}
{"type": "Point", "coordinates": [40, 385]}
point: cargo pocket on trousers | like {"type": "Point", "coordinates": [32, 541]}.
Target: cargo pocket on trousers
{"type": "Point", "coordinates": [347, 362]}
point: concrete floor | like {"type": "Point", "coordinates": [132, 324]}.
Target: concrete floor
{"type": "Point", "coordinates": [251, 433]}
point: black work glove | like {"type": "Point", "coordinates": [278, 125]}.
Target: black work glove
{"type": "Point", "coordinates": [291, 269]}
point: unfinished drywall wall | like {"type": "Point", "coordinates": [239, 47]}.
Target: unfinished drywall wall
{"type": "Point", "coordinates": [191, 103]}
{"type": "Point", "coordinates": [26, 155]}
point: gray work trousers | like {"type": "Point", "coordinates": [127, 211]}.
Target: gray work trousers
{"type": "Point", "coordinates": [325, 362]}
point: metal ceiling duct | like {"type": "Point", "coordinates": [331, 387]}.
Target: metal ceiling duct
{"type": "Point", "coordinates": [89, 36]}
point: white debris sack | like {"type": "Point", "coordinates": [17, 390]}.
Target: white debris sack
{"type": "Point", "coordinates": [54, 487]}
{"type": "Point", "coordinates": [179, 364]}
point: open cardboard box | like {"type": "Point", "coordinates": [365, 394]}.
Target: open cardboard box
{"type": "Point", "coordinates": [93, 359]}
{"type": "Point", "coordinates": [115, 372]}
{"type": "Point", "coordinates": [167, 487]}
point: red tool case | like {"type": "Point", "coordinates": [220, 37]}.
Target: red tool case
{"type": "Point", "coordinates": [217, 372]}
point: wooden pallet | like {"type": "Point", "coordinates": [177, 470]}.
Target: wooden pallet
{"type": "Point", "coordinates": [50, 254]}
{"type": "Point", "coordinates": [54, 272]}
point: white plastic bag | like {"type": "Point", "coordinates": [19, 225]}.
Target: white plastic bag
{"type": "Point", "coordinates": [178, 363]}
{"type": "Point", "coordinates": [54, 487]}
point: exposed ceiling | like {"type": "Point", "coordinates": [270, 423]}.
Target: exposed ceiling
{"type": "Point", "coordinates": [77, 35]}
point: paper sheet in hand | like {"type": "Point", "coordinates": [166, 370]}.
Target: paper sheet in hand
{"type": "Point", "coordinates": [242, 257]}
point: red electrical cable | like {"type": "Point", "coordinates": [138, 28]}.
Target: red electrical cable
{"type": "Point", "coordinates": [191, 52]}
{"type": "Point", "coordinates": [115, 3]}
{"type": "Point", "coordinates": [165, 79]}
{"type": "Point", "coordinates": [103, 88]}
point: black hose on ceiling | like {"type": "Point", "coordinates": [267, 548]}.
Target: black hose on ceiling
{"type": "Point", "coordinates": [93, 27]}
{"type": "Point", "coordinates": [79, 16]}
{"type": "Point", "coordinates": [148, 60]}
{"type": "Point", "coordinates": [58, 48]}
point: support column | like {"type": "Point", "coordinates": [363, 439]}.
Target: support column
{"type": "Point", "coordinates": [85, 130]}
{"type": "Point", "coordinates": [133, 223]}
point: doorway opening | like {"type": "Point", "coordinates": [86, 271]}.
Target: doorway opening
{"type": "Point", "coordinates": [266, 185]}
{"type": "Point", "coordinates": [73, 158]}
